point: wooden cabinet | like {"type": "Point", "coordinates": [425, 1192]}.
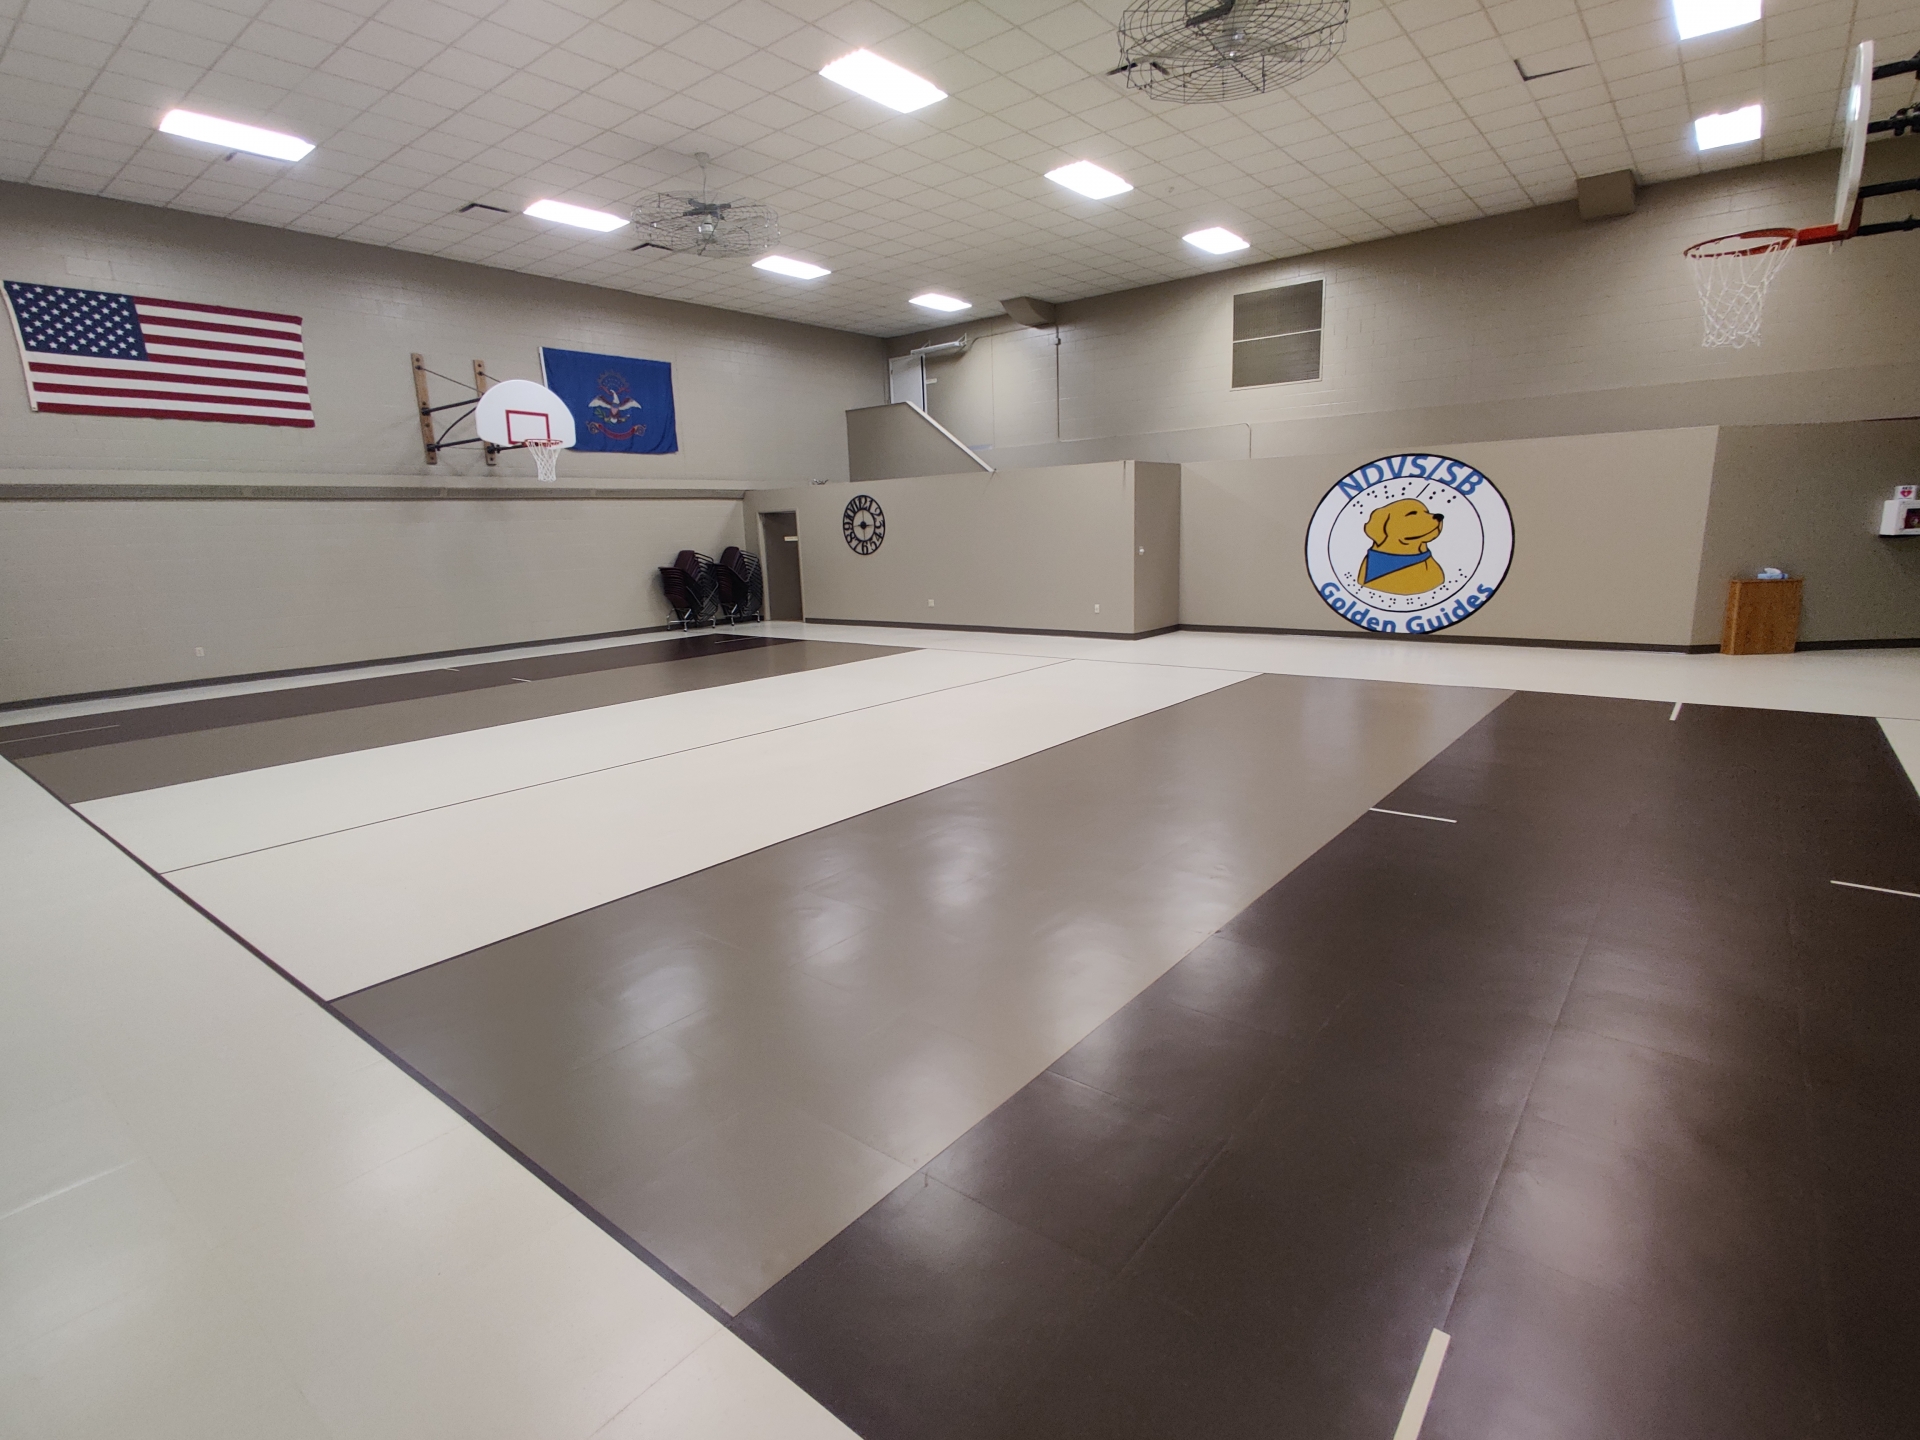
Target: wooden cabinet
{"type": "Point", "coordinates": [1763, 617]}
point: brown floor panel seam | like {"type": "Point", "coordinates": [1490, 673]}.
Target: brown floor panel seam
{"type": "Point", "coordinates": [580, 775]}
{"type": "Point", "coordinates": [1526, 1103]}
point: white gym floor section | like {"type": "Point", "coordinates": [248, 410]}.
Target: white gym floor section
{"type": "Point", "coordinates": [227, 1214]}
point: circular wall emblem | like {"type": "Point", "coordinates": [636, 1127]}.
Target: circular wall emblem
{"type": "Point", "coordinates": [864, 525]}
{"type": "Point", "coordinates": [1409, 544]}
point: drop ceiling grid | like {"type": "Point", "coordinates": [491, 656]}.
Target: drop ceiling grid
{"type": "Point", "coordinates": [419, 106]}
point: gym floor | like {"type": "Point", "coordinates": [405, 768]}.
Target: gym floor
{"type": "Point", "coordinates": [807, 1028]}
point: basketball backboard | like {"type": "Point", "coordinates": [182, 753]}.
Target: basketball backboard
{"type": "Point", "coordinates": [1856, 108]}
{"type": "Point", "coordinates": [521, 412]}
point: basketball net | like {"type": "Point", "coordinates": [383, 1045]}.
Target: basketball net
{"type": "Point", "coordinates": [1732, 273]}
{"type": "Point", "coordinates": [546, 458]}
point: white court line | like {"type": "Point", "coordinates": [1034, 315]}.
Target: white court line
{"type": "Point", "coordinates": [1674, 714]}
{"type": "Point", "coordinates": [1878, 889]}
{"type": "Point", "coordinates": [1409, 814]}
{"type": "Point", "coordinates": [1424, 1379]}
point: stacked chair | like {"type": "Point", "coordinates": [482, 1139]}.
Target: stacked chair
{"type": "Point", "coordinates": [691, 588]}
{"type": "Point", "coordinates": [701, 589]}
{"type": "Point", "coordinates": [739, 588]}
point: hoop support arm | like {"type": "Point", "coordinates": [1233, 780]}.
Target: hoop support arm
{"type": "Point", "coordinates": [432, 444]}
{"type": "Point", "coordinates": [1889, 227]}
{"type": "Point", "coordinates": [1896, 67]}
{"type": "Point", "coordinates": [1890, 187]}
{"type": "Point", "coordinates": [1898, 123]}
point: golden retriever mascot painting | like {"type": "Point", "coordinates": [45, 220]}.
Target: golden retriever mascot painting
{"type": "Point", "coordinates": [1399, 562]}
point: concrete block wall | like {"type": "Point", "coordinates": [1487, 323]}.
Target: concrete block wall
{"type": "Point", "coordinates": [1529, 324]}
{"type": "Point", "coordinates": [114, 594]}
{"type": "Point", "coordinates": [759, 401]}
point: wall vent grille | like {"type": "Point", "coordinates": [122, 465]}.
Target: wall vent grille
{"type": "Point", "coordinates": [1276, 335]}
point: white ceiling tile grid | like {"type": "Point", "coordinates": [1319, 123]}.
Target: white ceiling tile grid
{"type": "Point", "coordinates": [419, 107]}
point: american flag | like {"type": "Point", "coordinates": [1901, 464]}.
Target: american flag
{"type": "Point", "coordinates": [92, 352]}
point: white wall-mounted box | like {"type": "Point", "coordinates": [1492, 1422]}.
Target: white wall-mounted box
{"type": "Point", "coordinates": [1900, 517]}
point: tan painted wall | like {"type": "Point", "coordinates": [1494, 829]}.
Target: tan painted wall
{"type": "Point", "coordinates": [1608, 532]}
{"type": "Point", "coordinates": [1807, 499]}
{"type": "Point", "coordinates": [758, 401]}
{"type": "Point", "coordinates": [110, 594]}
{"type": "Point", "coordinates": [1524, 325]}
{"type": "Point", "coordinates": [1020, 549]}
{"type": "Point", "coordinates": [97, 595]}
{"type": "Point", "coordinates": [885, 442]}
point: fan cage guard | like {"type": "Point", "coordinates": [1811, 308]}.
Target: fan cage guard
{"type": "Point", "coordinates": [1732, 273]}
{"type": "Point", "coordinates": [1195, 51]}
{"type": "Point", "coordinates": [697, 224]}
{"type": "Point", "coordinates": [546, 458]}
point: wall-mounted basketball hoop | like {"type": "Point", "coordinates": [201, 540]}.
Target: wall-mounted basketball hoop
{"type": "Point", "coordinates": [1733, 272]}
{"type": "Point", "coordinates": [526, 415]}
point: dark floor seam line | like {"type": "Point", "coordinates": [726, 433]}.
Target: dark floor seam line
{"type": "Point", "coordinates": [1818, 1203]}
{"type": "Point", "coordinates": [1226, 1141]}
{"type": "Point", "coordinates": [1232, 670]}
{"type": "Point", "coordinates": [1214, 1155]}
{"type": "Point", "coordinates": [56, 734]}
{"type": "Point", "coordinates": [163, 701]}
{"type": "Point", "coordinates": [904, 800]}
{"type": "Point", "coordinates": [620, 1237]}
{"type": "Point", "coordinates": [580, 775]}
{"type": "Point", "coordinates": [1519, 1117]}
{"type": "Point", "coordinates": [578, 644]}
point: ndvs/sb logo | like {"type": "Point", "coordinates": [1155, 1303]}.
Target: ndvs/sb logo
{"type": "Point", "coordinates": [1410, 544]}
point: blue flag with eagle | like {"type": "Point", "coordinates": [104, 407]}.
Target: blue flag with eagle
{"type": "Point", "coordinates": [618, 403]}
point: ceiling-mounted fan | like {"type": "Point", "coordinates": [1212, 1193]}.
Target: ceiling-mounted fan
{"type": "Point", "coordinates": [1192, 51]}
{"type": "Point", "coordinates": [703, 223]}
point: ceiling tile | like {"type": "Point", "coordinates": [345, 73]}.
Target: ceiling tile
{"type": "Point", "coordinates": [421, 105]}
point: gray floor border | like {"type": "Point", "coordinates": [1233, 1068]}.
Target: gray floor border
{"type": "Point", "coordinates": [338, 667]}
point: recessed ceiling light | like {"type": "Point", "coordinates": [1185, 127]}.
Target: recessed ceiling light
{"type": "Point", "coordinates": [934, 300]}
{"type": "Point", "coordinates": [1215, 241]}
{"type": "Point", "coordinates": [1703, 17]}
{"type": "Point", "coordinates": [227, 133]}
{"type": "Point", "coordinates": [1083, 177]}
{"type": "Point", "coordinates": [562, 213]}
{"type": "Point", "coordinates": [798, 269]}
{"type": "Point", "coordinates": [1736, 127]}
{"type": "Point", "coordinates": [865, 73]}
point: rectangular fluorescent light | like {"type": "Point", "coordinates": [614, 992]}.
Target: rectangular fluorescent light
{"type": "Point", "coordinates": [798, 269]}
{"type": "Point", "coordinates": [1083, 177]}
{"type": "Point", "coordinates": [1703, 17]}
{"type": "Point", "coordinates": [562, 213]}
{"type": "Point", "coordinates": [1736, 127]}
{"type": "Point", "coordinates": [934, 300]}
{"type": "Point", "coordinates": [865, 73]}
{"type": "Point", "coordinates": [1215, 241]}
{"type": "Point", "coordinates": [232, 136]}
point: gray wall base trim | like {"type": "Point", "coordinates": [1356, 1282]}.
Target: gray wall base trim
{"type": "Point", "coordinates": [1460, 639]}
{"type": "Point", "coordinates": [1858, 644]}
{"type": "Point", "coordinates": [50, 491]}
{"type": "Point", "coordinates": [203, 683]}
{"type": "Point", "coordinates": [998, 629]}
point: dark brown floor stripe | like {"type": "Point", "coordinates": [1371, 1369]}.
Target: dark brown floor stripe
{"type": "Point", "coordinates": [698, 1060]}
{"type": "Point", "coordinates": [172, 758]}
{"type": "Point", "coordinates": [111, 727]}
{"type": "Point", "coordinates": [1606, 1080]}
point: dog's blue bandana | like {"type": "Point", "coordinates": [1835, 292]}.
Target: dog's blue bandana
{"type": "Point", "coordinates": [1380, 563]}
